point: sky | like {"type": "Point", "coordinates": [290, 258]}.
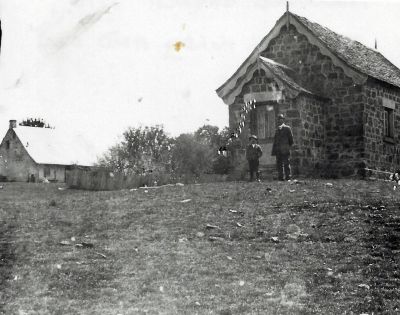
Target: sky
{"type": "Point", "coordinates": [97, 67]}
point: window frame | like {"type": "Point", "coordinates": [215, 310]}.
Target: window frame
{"type": "Point", "coordinates": [268, 120]}
{"type": "Point", "coordinates": [46, 171]}
{"type": "Point", "coordinates": [388, 120]}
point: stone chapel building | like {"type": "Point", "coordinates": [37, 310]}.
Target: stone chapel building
{"type": "Point", "coordinates": [341, 98]}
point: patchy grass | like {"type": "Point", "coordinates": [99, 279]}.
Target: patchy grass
{"type": "Point", "coordinates": [233, 248]}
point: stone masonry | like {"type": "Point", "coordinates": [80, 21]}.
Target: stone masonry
{"type": "Point", "coordinates": [380, 152]}
{"type": "Point", "coordinates": [340, 131]}
{"type": "Point", "coordinates": [341, 116]}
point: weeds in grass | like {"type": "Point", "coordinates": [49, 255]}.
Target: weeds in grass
{"type": "Point", "coordinates": [316, 250]}
{"type": "Point", "coordinates": [7, 259]}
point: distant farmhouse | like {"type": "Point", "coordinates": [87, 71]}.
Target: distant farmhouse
{"type": "Point", "coordinates": [341, 98]}
{"type": "Point", "coordinates": [39, 154]}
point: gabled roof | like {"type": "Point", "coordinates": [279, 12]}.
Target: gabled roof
{"type": "Point", "coordinates": [355, 54]}
{"type": "Point", "coordinates": [356, 60]}
{"type": "Point", "coordinates": [280, 73]}
{"type": "Point", "coordinates": [278, 70]}
{"type": "Point", "coordinates": [50, 146]}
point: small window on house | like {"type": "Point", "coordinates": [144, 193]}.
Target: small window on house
{"type": "Point", "coordinates": [261, 122]}
{"type": "Point", "coordinates": [270, 128]}
{"type": "Point", "coordinates": [265, 121]}
{"type": "Point", "coordinates": [388, 121]}
{"type": "Point", "coordinates": [46, 171]}
{"type": "Point", "coordinates": [8, 144]}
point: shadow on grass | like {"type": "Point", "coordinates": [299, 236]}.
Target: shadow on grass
{"type": "Point", "coordinates": [7, 259]}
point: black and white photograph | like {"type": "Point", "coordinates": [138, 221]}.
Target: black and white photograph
{"type": "Point", "coordinates": [199, 157]}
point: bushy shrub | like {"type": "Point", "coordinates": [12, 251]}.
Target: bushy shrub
{"type": "Point", "coordinates": [222, 164]}
{"type": "Point", "coordinates": [190, 156]}
{"type": "Point", "coordinates": [150, 149]}
{"type": "Point", "coordinates": [142, 149]}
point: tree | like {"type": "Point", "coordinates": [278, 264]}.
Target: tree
{"type": "Point", "coordinates": [217, 142]}
{"type": "Point", "coordinates": [150, 148]}
{"type": "Point", "coordinates": [35, 122]}
{"type": "Point", "coordinates": [209, 135]}
{"type": "Point", "coordinates": [142, 149]}
{"type": "Point", "coordinates": [191, 156]}
{"type": "Point", "coordinates": [114, 159]}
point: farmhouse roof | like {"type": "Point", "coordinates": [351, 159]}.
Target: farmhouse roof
{"type": "Point", "coordinates": [51, 146]}
{"type": "Point", "coordinates": [357, 60]}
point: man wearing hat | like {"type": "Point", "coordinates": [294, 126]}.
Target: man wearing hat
{"type": "Point", "coordinates": [253, 153]}
{"type": "Point", "coordinates": [283, 140]}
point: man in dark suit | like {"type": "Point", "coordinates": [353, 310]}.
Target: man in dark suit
{"type": "Point", "coordinates": [283, 140]}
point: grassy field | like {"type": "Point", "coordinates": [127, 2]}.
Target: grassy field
{"type": "Point", "coordinates": [312, 247]}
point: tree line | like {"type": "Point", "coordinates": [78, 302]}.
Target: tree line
{"type": "Point", "coordinates": [150, 149]}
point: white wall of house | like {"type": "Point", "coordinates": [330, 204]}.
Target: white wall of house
{"type": "Point", "coordinates": [51, 172]}
{"type": "Point", "coordinates": [15, 163]}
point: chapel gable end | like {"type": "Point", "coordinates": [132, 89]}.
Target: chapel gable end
{"type": "Point", "coordinates": [312, 69]}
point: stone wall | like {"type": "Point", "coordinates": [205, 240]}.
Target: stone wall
{"type": "Point", "coordinates": [259, 83]}
{"type": "Point", "coordinates": [310, 155]}
{"type": "Point", "coordinates": [343, 120]}
{"type": "Point", "coordinates": [380, 153]}
{"type": "Point", "coordinates": [340, 132]}
{"type": "Point", "coordinates": [312, 70]}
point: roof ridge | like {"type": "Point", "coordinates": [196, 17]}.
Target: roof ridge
{"type": "Point", "coordinates": [336, 33]}
{"type": "Point", "coordinates": [382, 69]}
{"type": "Point", "coordinates": [249, 57]}
{"type": "Point", "coordinates": [398, 69]}
{"type": "Point", "coordinates": [356, 59]}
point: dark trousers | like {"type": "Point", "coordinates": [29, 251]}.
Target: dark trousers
{"type": "Point", "coordinates": [253, 168]}
{"type": "Point", "coordinates": [283, 166]}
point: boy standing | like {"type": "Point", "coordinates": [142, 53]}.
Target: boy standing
{"type": "Point", "coordinates": [253, 154]}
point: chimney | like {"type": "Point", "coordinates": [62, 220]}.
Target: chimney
{"type": "Point", "coordinates": [13, 124]}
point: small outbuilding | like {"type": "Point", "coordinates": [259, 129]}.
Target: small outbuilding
{"type": "Point", "coordinates": [33, 154]}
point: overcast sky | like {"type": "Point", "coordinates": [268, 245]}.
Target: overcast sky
{"type": "Point", "coordinates": [99, 66]}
